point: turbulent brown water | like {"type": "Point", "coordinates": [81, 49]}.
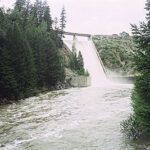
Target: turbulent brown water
{"type": "Point", "coordinates": [74, 119]}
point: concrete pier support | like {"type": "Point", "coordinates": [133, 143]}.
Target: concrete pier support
{"type": "Point", "coordinates": [74, 44]}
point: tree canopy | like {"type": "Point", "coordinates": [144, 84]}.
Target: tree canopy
{"type": "Point", "coordinates": [138, 125]}
{"type": "Point", "coordinates": [29, 51]}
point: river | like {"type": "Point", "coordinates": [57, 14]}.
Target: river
{"type": "Point", "coordinates": [72, 119]}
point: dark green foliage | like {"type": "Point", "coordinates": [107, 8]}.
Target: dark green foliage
{"type": "Point", "coordinates": [80, 64]}
{"type": "Point", "coordinates": [77, 64]}
{"type": "Point", "coordinates": [22, 60]}
{"type": "Point", "coordinates": [62, 20]}
{"type": "Point", "coordinates": [19, 4]}
{"type": "Point", "coordinates": [8, 84]}
{"type": "Point", "coordinates": [137, 126]}
{"type": "Point", "coordinates": [38, 12]}
{"type": "Point", "coordinates": [73, 62]}
{"type": "Point", "coordinates": [29, 51]}
{"type": "Point", "coordinates": [47, 18]}
{"type": "Point", "coordinates": [45, 46]}
{"type": "Point", "coordinates": [131, 128]}
{"type": "Point", "coordinates": [141, 95]}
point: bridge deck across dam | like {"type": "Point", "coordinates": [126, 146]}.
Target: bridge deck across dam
{"type": "Point", "coordinates": [74, 34]}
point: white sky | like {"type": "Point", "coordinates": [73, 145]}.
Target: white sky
{"type": "Point", "coordinates": [97, 16]}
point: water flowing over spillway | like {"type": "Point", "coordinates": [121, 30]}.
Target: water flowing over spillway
{"type": "Point", "coordinates": [92, 61]}
{"type": "Point", "coordinates": [72, 119]}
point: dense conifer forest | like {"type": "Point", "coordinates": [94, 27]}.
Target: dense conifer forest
{"type": "Point", "coordinates": [30, 57]}
{"type": "Point", "coordinates": [30, 60]}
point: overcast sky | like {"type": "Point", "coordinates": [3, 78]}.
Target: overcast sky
{"type": "Point", "coordinates": [97, 16]}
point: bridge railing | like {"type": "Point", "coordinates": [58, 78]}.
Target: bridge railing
{"type": "Point", "coordinates": [74, 34]}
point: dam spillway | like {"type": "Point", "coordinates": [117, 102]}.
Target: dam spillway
{"type": "Point", "coordinates": [91, 58]}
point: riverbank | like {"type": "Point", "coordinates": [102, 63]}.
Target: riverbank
{"type": "Point", "coordinates": [69, 119]}
{"type": "Point", "coordinates": [72, 80]}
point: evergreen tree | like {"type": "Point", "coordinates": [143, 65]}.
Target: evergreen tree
{"type": "Point", "coordinates": [1, 17]}
{"type": "Point", "coordinates": [19, 4]}
{"type": "Point", "coordinates": [63, 20]}
{"type": "Point", "coordinates": [29, 51]}
{"type": "Point", "coordinates": [8, 85]}
{"type": "Point", "coordinates": [138, 125]}
{"type": "Point", "coordinates": [47, 18]}
{"type": "Point", "coordinates": [80, 64]}
{"type": "Point", "coordinates": [38, 11]}
{"type": "Point", "coordinates": [47, 60]}
{"type": "Point", "coordinates": [77, 63]}
{"type": "Point", "coordinates": [74, 62]}
{"type": "Point", "coordinates": [22, 60]}
{"type": "Point", "coordinates": [20, 14]}
{"type": "Point", "coordinates": [55, 70]}
{"type": "Point", "coordinates": [36, 39]}
{"type": "Point", "coordinates": [26, 14]}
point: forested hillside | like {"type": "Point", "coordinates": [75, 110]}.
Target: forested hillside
{"type": "Point", "coordinates": [30, 58]}
{"type": "Point", "coordinates": [116, 52]}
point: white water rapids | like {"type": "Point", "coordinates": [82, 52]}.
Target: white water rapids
{"type": "Point", "coordinates": [71, 119]}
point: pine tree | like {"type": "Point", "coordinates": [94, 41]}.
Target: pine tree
{"type": "Point", "coordinates": [63, 20]}
{"type": "Point", "coordinates": [8, 85]}
{"type": "Point", "coordinates": [1, 17]}
{"type": "Point", "coordinates": [36, 39]}
{"type": "Point", "coordinates": [47, 18]}
{"type": "Point", "coordinates": [138, 125]}
{"type": "Point", "coordinates": [50, 70]}
{"type": "Point", "coordinates": [55, 70]}
{"type": "Point", "coordinates": [29, 51]}
{"type": "Point", "coordinates": [22, 60]}
{"type": "Point", "coordinates": [19, 4]}
{"type": "Point", "coordinates": [80, 64]}
{"type": "Point", "coordinates": [26, 14]}
{"type": "Point", "coordinates": [38, 11]}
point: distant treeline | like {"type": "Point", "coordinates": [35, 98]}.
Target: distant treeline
{"type": "Point", "coordinates": [117, 52]}
{"type": "Point", "coordinates": [29, 51]}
